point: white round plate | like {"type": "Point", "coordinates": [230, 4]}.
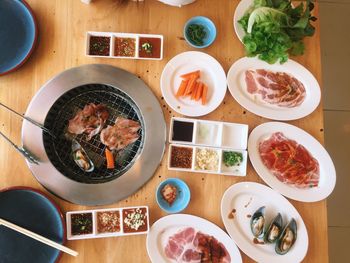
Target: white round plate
{"type": "Point", "coordinates": [169, 225]}
{"type": "Point", "coordinates": [241, 8]}
{"type": "Point", "coordinates": [212, 74]}
{"type": "Point", "coordinates": [248, 197]}
{"type": "Point", "coordinates": [238, 88]}
{"type": "Point", "coordinates": [327, 170]}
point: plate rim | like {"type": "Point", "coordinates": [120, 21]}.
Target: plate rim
{"type": "Point", "coordinates": [263, 188]}
{"type": "Point", "coordinates": [270, 113]}
{"type": "Point", "coordinates": [290, 192]}
{"type": "Point", "coordinates": [197, 53]}
{"type": "Point", "coordinates": [196, 218]}
{"type": "Point", "coordinates": [51, 201]}
{"type": "Point", "coordinates": [35, 40]}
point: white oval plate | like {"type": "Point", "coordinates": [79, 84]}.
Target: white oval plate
{"type": "Point", "coordinates": [169, 225]}
{"type": "Point", "coordinates": [212, 74]}
{"type": "Point", "coordinates": [241, 8]}
{"type": "Point", "coordinates": [327, 170]}
{"type": "Point", "coordinates": [248, 197]}
{"type": "Point", "coordinates": [237, 86]}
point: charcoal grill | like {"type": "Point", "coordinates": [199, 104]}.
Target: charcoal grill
{"type": "Point", "coordinates": [124, 95]}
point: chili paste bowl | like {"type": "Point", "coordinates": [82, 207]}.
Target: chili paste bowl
{"type": "Point", "coordinates": [183, 196]}
{"type": "Point", "coordinates": [209, 32]}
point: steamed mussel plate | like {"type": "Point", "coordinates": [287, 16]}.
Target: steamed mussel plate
{"type": "Point", "coordinates": [287, 238]}
{"type": "Point", "coordinates": [274, 230]}
{"type": "Point", "coordinates": [257, 222]}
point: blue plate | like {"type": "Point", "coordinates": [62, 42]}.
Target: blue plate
{"type": "Point", "coordinates": [30, 209]}
{"type": "Point", "coordinates": [182, 199]}
{"type": "Point", "coordinates": [209, 28]}
{"type": "Point", "coordinates": [18, 33]}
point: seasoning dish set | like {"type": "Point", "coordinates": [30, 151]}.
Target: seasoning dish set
{"type": "Point", "coordinates": [208, 146]}
{"type": "Point", "coordinates": [124, 45]}
{"type": "Point", "coordinates": [112, 222]}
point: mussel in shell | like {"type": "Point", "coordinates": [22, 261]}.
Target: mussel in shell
{"type": "Point", "coordinates": [81, 158]}
{"type": "Point", "coordinates": [287, 238]}
{"type": "Point", "coordinates": [274, 230]}
{"type": "Point", "coordinates": [257, 222]}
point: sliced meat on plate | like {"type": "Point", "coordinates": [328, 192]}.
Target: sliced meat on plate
{"type": "Point", "coordinates": [90, 120]}
{"type": "Point", "coordinates": [278, 88]}
{"type": "Point", "coordinates": [121, 134]}
{"type": "Point", "coordinates": [289, 161]}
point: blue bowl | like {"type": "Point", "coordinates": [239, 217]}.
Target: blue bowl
{"type": "Point", "coordinates": [182, 199]}
{"type": "Point", "coordinates": [209, 28]}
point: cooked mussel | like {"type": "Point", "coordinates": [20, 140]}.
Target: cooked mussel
{"type": "Point", "coordinates": [287, 238]}
{"type": "Point", "coordinates": [274, 230]}
{"type": "Point", "coordinates": [81, 158]}
{"type": "Point", "coordinates": [257, 222]}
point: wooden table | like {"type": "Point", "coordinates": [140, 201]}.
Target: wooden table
{"type": "Point", "coordinates": [62, 29]}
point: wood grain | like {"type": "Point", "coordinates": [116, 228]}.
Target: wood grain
{"type": "Point", "coordinates": [62, 29]}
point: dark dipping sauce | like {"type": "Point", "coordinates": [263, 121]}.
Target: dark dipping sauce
{"type": "Point", "coordinates": [181, 157]}
{"type": "Point", "coordinates": [135, 220]}
{"type": "Point", "coordinates": [125, 47]}
{"type": "Point", "coordinates": [182, 131]}
{"type": "Point", "coordinates": [108, 222]}
{"type": "Point", "coordinates": [81, 224]}
{"type": "Point", "coordinates": [99, 46]}
{"type": "Point", "coordinates": [149, 47]}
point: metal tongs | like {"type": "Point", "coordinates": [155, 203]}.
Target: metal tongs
{"type": "Point", "coordinates": [21, 150]}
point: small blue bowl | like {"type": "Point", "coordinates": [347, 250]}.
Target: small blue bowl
{"type": "Point", "coordinates": [182, 199]}
{"type": "Point", "coordinates": [209, 28]}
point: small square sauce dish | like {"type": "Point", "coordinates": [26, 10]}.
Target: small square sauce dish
{"type": "Point", "coordinates": [80, 225]}
{"type": "Point", "coordinates": [135, 220]}
{"type": "Point", "coordinates": [180, 157]}
{"type": "Point", "coordinates": [98, 44]}
{"type": "Point", "coordinates": [182, 130]}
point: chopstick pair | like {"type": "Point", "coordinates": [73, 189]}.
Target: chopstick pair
{"type": "Point", "coordinates": [38, 237]}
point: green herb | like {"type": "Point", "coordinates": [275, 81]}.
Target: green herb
{"type": "Point", "coordinates": [233, 158]}
{"type": "Point", "coordinates": [147, 47]}
{"type": "Point", "coordinates": [196, 34]}
{"type": "Point", "coordinates": [274, 29]}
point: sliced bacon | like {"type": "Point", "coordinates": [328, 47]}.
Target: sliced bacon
{"type": "Point", "coordinates": [191, 246]}
{"type": "Point", "coordinates": [278, 88]}
{"type": "Point", "coordinates": [121, 134]}
{"type": "Point", "coordinates": [289, 161]}
{"type": "Point", "coordinates": [90, 120]}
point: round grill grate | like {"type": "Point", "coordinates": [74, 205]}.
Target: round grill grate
{"type": "Point", "coordinates": [59, 150]}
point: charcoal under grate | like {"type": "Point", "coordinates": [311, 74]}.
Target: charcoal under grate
{"type": "Point", "coordinates": [59, 150]}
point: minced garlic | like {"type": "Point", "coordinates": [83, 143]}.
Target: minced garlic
{"type": "Point", "coordinates": [207, 159]}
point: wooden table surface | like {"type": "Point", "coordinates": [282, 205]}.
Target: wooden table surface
{"type": "Point", "coordinates": [62, 28]}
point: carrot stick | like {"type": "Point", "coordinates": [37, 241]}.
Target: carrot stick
{"type": "Point", "coordinates": [199, 91]}
{"type": "Point", "coordinates": [181, 91]}
{"type": "Point", "coordinates": [204, 95]}
{"type": "Point", "coordinates": [110, 159]}
{"type": "Point", "coordinates": [194, 92]}
{"type": "Point", "coordinates": [191, 84]}
{"type": "Point", "coordinates": [187, 75]}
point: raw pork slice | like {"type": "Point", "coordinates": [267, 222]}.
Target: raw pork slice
{"type": "Point", "coordinates": [189, 245]}
{"type": "Point", "coordinates": [278, 88]}
{"type": "Point", "coordinates": [121, 134]}
{"type": "Point", "coordinates": [89, 120]}
{"type": "Point", "coordinates": [289, 161]}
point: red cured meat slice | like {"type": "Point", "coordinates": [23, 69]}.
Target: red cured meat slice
{"type": "Point", "coordinates": [278, 88]}
{"type": "Point", "coordinates": [289, 161]}
{"type": "Point", "coordinates": [191, 246]}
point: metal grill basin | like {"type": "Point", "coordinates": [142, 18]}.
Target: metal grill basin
{"type": "Point", "coordinates": [59, 150]}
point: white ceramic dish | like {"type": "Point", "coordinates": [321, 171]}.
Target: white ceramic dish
{"type": "Point", "coordinates": [113, 36]}
{"type": "Point", "coordinates": [326, 166]}
{"type": "Point", "coordinates": [169, 225]}
{"type": "Point", "coordinates": [95, 233]}
{"type": "Point", "coordinates": [246, 198]}
{"type": "Point", "coordinates": [212, 74]}
{"type": "Point", "coordinates": [239, 170]}
{"type": "Point", "coordinates": [237, 87]}
{"type": "Point", "coordinates": [241, 8]}
{"type": "Point", "coordinates": [214, 133]}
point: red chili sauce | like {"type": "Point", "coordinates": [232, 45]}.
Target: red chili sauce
{"type": "Point", "coordinates": [108, 222]}
{"type": "Point", "coordinates": [99, 46]}
{"type": "Point", "coordinates": [135, 220]}
{"type": "Point", "coordinates": [124, 47]}
{"type": "Point", "coordinates": [149, 47]}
